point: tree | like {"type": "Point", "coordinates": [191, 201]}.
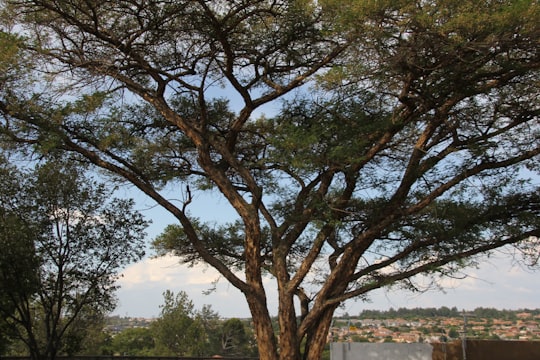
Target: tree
{"type": "Point", "coordinates": [234, 338]}
{"type": "Point", "coordinates": [18, 261]}
{"type": "Point", "coordinates": [212, 324]}
{"type": "Point", "coordinates": [407, 142]}
{"type": "Point", "coordinates": [64, 239]}
{"type": "Point", "coordinates": [97, 340]}
{"type": "Point", "coordinates": [133, 342]}
{"type": "Point", "coordinates": [177, 331]}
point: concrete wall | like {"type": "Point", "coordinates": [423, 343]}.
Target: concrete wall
{"type": "Point", "coordinates": [384, 351]}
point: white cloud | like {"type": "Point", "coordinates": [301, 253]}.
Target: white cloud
{"type": "Point", "coordinates": [143, 284]}
{"type": "Point", "coordinates": [166, 271]}
{"type": "Point", "coordinates": [497, 283]}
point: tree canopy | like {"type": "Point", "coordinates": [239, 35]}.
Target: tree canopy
{"type": "Point", "coordinates": [63, 242]}
{"type": "Point", "coordinates": [178, 333]}
{"type": "Point", "coordinates": [402, 139]}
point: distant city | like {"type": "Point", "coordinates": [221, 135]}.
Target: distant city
{"type": "Point", "coordinates": [437, 325]}
{"type": "Point", "coordinates": [412, 325]}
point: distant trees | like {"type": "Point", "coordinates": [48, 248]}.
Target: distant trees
{"type": "Point", "coordinates": [63, 240]}
{"type": "Point", "coordinates": [407, 313]}
{"type": "Point", "coordinates": [177, 331]}
{"type": "Point", "coordinates": [181, 330]}
{"type": "Point", "coordinates": [453, 333]}
{"type": "Point", "coordinates": [212, 324]}
{"type": "Point", "coordinates": [410, 313]}
{"type": "Point", "coordinates": [133, 342]}
{"type": "Point", "coordinates": [234, 338]}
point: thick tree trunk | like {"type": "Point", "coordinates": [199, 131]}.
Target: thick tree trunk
{"type": "Point", "coordinates": [264, 331]}
{"type": "Point", "coordinates": [317, 338]}
{"type": "Point", "coordinates": [288, 336]}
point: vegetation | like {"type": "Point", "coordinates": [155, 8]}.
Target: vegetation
{"type": "Point", "coordinates": [132, 342]}
{"type": "Point", "coordinates": [425, 313]}
{"type": "Point", "coordinates": [177, 331]}
{"type": "Point", "coordinates": [402, 139]}
{"type": "Point", "coordinates": [136, 337]}
{"type": "Point", "coordinates": [180, 330]}
{"type": "Point", "coordinates": [63, 242]}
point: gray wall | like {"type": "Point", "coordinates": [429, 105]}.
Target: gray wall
{"type": "Point", "coordinates": [383, 351]}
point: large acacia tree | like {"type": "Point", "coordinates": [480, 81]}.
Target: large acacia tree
{"type": "Point", "coordinates": [406, 144]}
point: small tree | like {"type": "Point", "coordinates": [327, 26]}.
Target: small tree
{"type": "Point", "coordinates": [234, 338]}
{"type": "Point", "coordinates": [177, 331]}
{"type": "Point", "coordinates": [64, 239]}
{"type": "Point", "coordinates": [212, 324]}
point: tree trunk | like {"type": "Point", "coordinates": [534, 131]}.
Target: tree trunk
{"type": "Point", "coordinates": [262, 324]}
{"type": "Point", "coordinates": [317, 338]}
{"type": "Point", "coordinates": [288, 336]}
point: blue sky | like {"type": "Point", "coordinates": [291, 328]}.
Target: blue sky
{"type": "Point", "coordinates": [498, 283]}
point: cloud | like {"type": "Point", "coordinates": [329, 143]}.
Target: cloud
{"type": "Point", "coordinates": [142, 286]}
{"type": "Point", "coordinates": [497, 283]}
{"type": "Point", "coordinates": [166, 271]}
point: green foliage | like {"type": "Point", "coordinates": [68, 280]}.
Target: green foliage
{"type": "Point", "coordinates": [313, 137]}
{"type": "Point", "coordinates": [9, 51]}
{"type": "Point", "coordinates": [402, 138]}
{"type": "Point", "coordinates": [133, 342]}
{"type": "Point", "coordinates": [212, 324]}
{"type": "Point", "coordinates": [97, 340]}
{"type": "Point", "coordinates": [177, 331]}
{"type": "Point", "coordinates": [181, 330]}
{"type": "Point", "coordinates": [222, 241]}
{"type": "Point", "coordinates": [64, 241]}
{"type": "Point", "coordinates": [234, 338]}
{"type": "Point", "coordinates": [416, 313]}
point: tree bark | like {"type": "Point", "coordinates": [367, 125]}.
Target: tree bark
{"type": "Point", "coordinates": [262, 324]}
{"type": "Point", "coordinates": [288, 337]}
{"type": "Point", "coordinates": [317, 339]}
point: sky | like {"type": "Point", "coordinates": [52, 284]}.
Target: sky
{"type": "Point", "coordinates": [498, 283]}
